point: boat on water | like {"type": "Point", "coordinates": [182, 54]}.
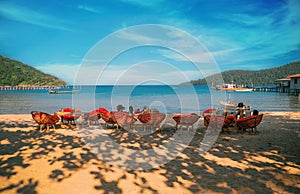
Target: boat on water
{"type": "Point", "coordinates": [233, 87]}
{"type": "Point", "coordinates": [64, 91]}
{"type": "Point", "coordinates": [228, 104]}
{"type": "Point", "coordinates": [244, 90]}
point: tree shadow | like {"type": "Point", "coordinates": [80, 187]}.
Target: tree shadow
{"type": "Point", "coordinates": [22, 186]}
{"type": "Point", "coordinates": [234, 164]}
{"type": "Point", "coordinates": [20, 149]}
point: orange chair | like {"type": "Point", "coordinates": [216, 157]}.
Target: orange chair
{"type": "Point", "coordinates": [185, 119]}
{"type": "Point", "coordinates": [107, 117]}
{"type": "Point", "coordinates": [44, 119]}
{"type": "Point", "coordinates": [152, 119]}
{"type": "Point", "coordinates": [219, 121]}
{"type": "Point", "coordinates": [123, 119]}
{"type": "Point", "coordinates": [93, 116]}
{"type": "Point", "coordinates": [250, 122]}
{"type": "Point", "coordinates": [69, 115]}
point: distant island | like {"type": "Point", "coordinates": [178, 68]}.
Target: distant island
{"type": "Point", "coordinates": [15, 73]}
{"type": "Point", "coordinates": [256, 78]}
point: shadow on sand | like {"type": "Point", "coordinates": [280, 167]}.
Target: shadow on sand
{"type": "Point", "coordinates": [234, 164]}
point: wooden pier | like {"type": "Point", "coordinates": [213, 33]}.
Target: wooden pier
{"type": "Point", "coordinates": [277, 89]}
{"type": "Point", "coordinates": [264, 89]}
{"type": "Point", "coordinates": [28, 87]}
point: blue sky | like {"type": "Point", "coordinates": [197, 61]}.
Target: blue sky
{"type": "Point", "coordinates": [56, 36]}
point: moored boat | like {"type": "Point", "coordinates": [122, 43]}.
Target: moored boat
{"type": "Point", "coordinates": [64, 91]}
{"type": "Point", "coordinates": [228, 104]}
{"type": "Point", "coordinates": [233, 87]}
{"type": "Point", "coordinates": [244, 90]}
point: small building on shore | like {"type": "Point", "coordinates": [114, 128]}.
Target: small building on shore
{"type": "Point", "coordinates": [295, 84]}
{"type": "Point", "coordinates": [290, 84]}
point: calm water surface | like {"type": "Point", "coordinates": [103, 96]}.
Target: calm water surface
{"type": "Point", "coordinates": [168, 99]}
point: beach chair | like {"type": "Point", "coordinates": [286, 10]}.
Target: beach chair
{"type": "Point", "coordinates": [249, 122]}
{"type": "Point", "coordinates": [69, 115]}
{"type": "Point", "coordinates": [108, 118]}
{"type": "Point", "coordinates": [123, 119]}
{"type": "Point", "coordinates": [152, 119]}
{"type": "Point", "coordinates": [185, 120]}
{"type": "Point", "coordinates": [92, 117]}
{"type": "Point", "coordinates": [219, 121]}
{"type": "Point", "coordinates": [210, 111]}
{"type": "Point", "coordinates": [44, 119]}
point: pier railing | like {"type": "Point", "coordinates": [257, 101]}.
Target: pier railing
{"type": "Point", "coordinates": [279, 89]}
{"type": "Point", "coordinates": [28, 87]}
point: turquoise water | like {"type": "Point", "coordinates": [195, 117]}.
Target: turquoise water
{"type": "Point", "coordinates": [168, 99]}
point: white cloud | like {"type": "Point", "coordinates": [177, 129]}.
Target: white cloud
{"type": "Point", "coordinates": [149, 72]}
{"type": "Point", "coordinates": [89, 9]}
{"type": "Point", "coordinates": [137, 37]}
{"type": "Point", "coordinates": [188, 47]}
{"type": "Point", "coordinates": [65, 72]}
{"type": "Point", "coordinates": [151, 3]}
{"type": "Point", "coordinates": [293, 16]}
{"type": "Point", "coordinates": [244, 38]}
{"type": "Point", "coordinates": [29, 16]}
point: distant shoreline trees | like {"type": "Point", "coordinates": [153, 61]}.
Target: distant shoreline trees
{"type": "Point", "coordinates": [15, 73]}
{"type": "Point", "coordinates": [256, 78]}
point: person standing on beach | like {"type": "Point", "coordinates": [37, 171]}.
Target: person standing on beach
{"type": "Point", "coordinates": [130, 110]}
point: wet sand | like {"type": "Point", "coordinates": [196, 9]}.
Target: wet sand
{"type": "Point", "coordinates": [61, 162]}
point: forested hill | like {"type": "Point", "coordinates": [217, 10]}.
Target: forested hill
{"type": "Point", "coordinates": [257, 78]}
{"type": "Point", "coordinates": [15, 73]}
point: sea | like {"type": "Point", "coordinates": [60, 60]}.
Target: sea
{"type": "Point", "coordinates": [165, 98]}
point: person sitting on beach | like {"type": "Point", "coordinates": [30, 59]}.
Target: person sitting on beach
{"type": "Point", "coordinates": [130, 110]}
{"type": "Point", "coordinates": [255, 113]}
{"type": "Point", "coordinates": [137, 110]}
{"type": "Point", "coordinates": [239, 110]}
{"type": "Point", "coordinates": [145, 109]}
{"type": "Point", "coordinates": [240, 105]}
{"type": "Point", "coordinates": [120, 108]}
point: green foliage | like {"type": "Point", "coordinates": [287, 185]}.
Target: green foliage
{"type": "Point", "coordinates": [257, 78]}
{"type": "Point", "coordinates": [14, 73]}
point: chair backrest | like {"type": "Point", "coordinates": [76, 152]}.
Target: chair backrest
{"type": "Point", "coordinates": [250, 121]}
{"type": "Point", "coordinates": [44, 118]}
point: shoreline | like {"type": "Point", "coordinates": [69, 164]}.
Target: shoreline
{"type": "Point", "coordinates": [264, 112]}
{"type": "Point", "coordinates": [60, 161]}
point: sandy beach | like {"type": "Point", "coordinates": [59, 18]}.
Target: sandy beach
{"type": "Point", "coordinates": [60, 162]}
